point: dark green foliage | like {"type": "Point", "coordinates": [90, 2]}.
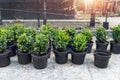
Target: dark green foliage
{"type": "Point", "coordinates": [9, 32]}
{"type": "Point", "coordinates": [30, 32]}
{"type": "Point", "coordinates": [61, 40]}
{"type": "Point", "coordinates": [41, 44]}
{"type": "Point", "coordinates": [46, 30]}
{"type": "Point", "coordinates": [116, 33]}
{"type": "Point", "coordinates": [3, 41]}
{"type": "Point", "coordinates": [25, 43]}
{"type": "Point", "coordinates": [70, 31]}
{"type": "Point", "coordinates": [54, 33]}
{"type": "Point", "coordinates": [79, 43]}
{"type": "Point", "coordinates": [18, 29]}
{"type": "Point", "coordinates": [101, 34]}
{"type": "Point", "coordinates": [88, 33]}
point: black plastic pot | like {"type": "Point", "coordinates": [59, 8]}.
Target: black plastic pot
{"type": "Point", "coordinates": [102, 45]}
{"type": "Point", "coordinates": [61, 57]}
{"type": "Point", "coordinates": [89, 47]}
{"type": "Point", "coordinates": [49, 52]}
{"type": "Point", "coordinates": [106, 25]}
{"type": "Point", "coordinates": [69, 46]}
{"type": "Point", "coordinates": [114, 47]}
{"type": "Point", "coordinates": [40, 62]}
{"type": "Point", "coordinates": [4, 58]}
{"type": "Point", "coordinates": [12, 47]}
{"type": "Point", "coordinates": [78, 57]}
{"type": "Point", "coordinates": [101, 58]}
{"type": "Point", "coordinates": [23, 58]}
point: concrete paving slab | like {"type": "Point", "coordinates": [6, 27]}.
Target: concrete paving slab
{"type": "Point", "coordinates": [68, 71]}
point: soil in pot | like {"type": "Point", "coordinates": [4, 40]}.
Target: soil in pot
{"type": "Point", "coordinates": [102, 45]}
{"type": "Point", "coordinates": [101, 58]}
{"type": "Point", "coordinates": [23, 58]}
{"type": "Point", "coordinates": [78, 57]}
{"type": "Point", "coordinates": [89, 46]}
{"type": "Point", "coordinates": [61, 57]}
{"type": "Point", "coordinates": [4, 58]}
{"type": "Point", "coordinates": [114, 47]}
{"type": "Point", "coordinates": [40, 62]}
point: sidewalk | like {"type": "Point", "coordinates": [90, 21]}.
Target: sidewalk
{"type": "Point", "coordinates": [68, 71]}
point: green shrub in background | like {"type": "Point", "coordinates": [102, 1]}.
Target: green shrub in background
{"type": "Point", "coordinates": [116, 34]}
{"type": "Point", "coordinates": [46, 30]}
{"type": "Point", "coordinates": [31, 32]}
{"type": "Point", "coordinates": [18, 29]}
{"type": "Point", "coordinates": [3, 41]}
{"type": "Point", "coordinates": [9, 32]}
{"type": "Point", "coordinates": [101, 34]}
{"type": "Point", "coordinates": [71, 31]}
{"type": "Point", "coordinates": [88, 33]}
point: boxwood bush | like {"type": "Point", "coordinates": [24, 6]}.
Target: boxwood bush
{"type": "Point", "coordinates": [9, 32]}
{"type": "Point", "coordinates": [101, 34]}
{"type": "Point", "coordinates": [88, 33]}
{"type": "Point", "coordinates": [116, 34]}
{"type": "Point", "coordinates": [41, 44]}
{"type": "Point", "coordinates": [25, 43]}
{"type": "Point", "coordinates": [18, 29]}
{"type": "Point", "coordinates": [79, 43]}
{"type": "Point", "coordinates": [3, 41]}
{"type": "Point", "coordinates": [61, 40]}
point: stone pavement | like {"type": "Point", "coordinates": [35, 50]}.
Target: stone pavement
{"type": "Point", "coordinates": [68, 71]}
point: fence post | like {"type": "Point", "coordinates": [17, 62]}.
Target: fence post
{"type": "Point", "coordinates": [45, 13]}
{"type": "Point", "coordinates": [38, 13]}
{"type": "Point", "coordinates": [0, 17]}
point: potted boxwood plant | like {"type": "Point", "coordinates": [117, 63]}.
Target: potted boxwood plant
{"type": "Point", "coordinates": [71, 32]}
{"type": "Point", "coordinates": [54, 35]}
{"type": "Point", "coordinates": [10, 40]}
{"type": "Point", "coordinates": [47, 30]}
{"type": "Point", "coordinates": [88, 33]}
{"type": "Point", "coordinates": [60, 47]}
{"type": "Point", "coordinates": [101, 42]}
{"type": "Point", "coordinates": [115, 44]}
{"type": "Point", "coordinates": [40, 55]}
{"type": "Point", "coordinates": [79, 49]}
{"type": "Point", "coordinates": [25, 47]}
{"type": "Point", "coordinates": [4, 52]}
{"type": "Point", "coordinates": [31, 32]}
{"type": "Point", "coordinates": [15, 31]}
{"type": "Point", "coordinates": [18, 29]}
{"type": "Point", "coordinates": [101, 58]}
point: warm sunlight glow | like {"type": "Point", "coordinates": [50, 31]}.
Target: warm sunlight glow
{"type": "Point", "coordinates": [88, 1]}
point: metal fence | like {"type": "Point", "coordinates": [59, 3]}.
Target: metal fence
{"type": "Point", "coordinates": [29, 9]}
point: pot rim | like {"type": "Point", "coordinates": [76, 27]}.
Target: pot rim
{"type": "Point", "coordinates": [102, 42]}
{"type": "Point", "coordinates": [6, 52]}
{"type": "Point", "coordinates": [18, 52]}
{"type": "Point", "coordinates": [33, 55]}
{"type": "Point", "coordinates": [112, 41]}
{"type": "Point", "coordinates": [83, 52]}
{"type": "Point", "coordinates": [66, 51]}
{"type": "Point", "coordinates": [102, 51]}
{"type": "Point", "coordinates": [90, 42]}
